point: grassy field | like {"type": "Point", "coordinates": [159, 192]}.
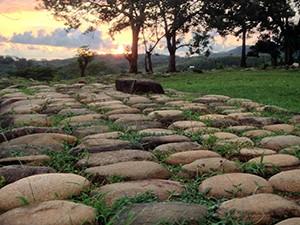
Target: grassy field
{"type": "Point", "coordinates": [281, 87]}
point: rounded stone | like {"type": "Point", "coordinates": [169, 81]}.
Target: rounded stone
{"type": "Point", "coordinates": [177, 147]}
{"type": "Point", "coordinates": [246, 154]}
{"type": "Point", "coordinates": [155, 132]}
{"type": "Point", "coordinates": [183, 125]}
{"type": "Point", "coordinates": [132, 170]}
{"type": "Point", "coordinates": [107, 158]}
{"type": "Point", "coordinates": [257, 133]}
{"type": "Point", "coordinates": [291, 221]}
{"type": "Point", "coordinates": [40, 188]}
{"type": "Point", "coordinates": [281, 161]}
{"type": "Point", "coordinates": [167, 115]}
{"type": "Point", "coordinates": [182, 158]}
{"type": "Point", "coordinates": [259, 209]}
{"type": "Point", "coordinates": [209, 165]}
{"type": "Point", "coordinates": [220, 136]}
{"type": "Point", "coordinates": [50, 213]}
{"type": "Point", "coordinates": [160, 188]}
{"type": "Point", "coordinates": [287, 181]}
{"type": "Point", "coordinates": [286, 128]}
{"type": "Point", "coordinates": [279, 142]}
{"type": "Point", "coordinates": [234, 185]}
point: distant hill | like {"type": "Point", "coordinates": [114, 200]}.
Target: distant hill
{"type": "Point", "coordinates": [233, 52]}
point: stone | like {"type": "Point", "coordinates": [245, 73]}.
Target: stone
{"type": "Point", "coordinates": [240, 142]}
{"type": "Point", "coordinates": [163, 189]}
{"type": "Point", "coordinates": [295, 149]}
{"type": "Point", "coordinates": [20, 120]}
{"type": "Point", "coordinates": [22, 131]}
{"type": "Point", "coordinates": [155, 132]}
{"type": "Point", "coordinates": [74, 112]}
{"type": "Point", "coordinates": [279, 142]}
{"type": "Point", "coordinates": [202, 130]}
{"type": "Point", "coordinates": [126, 118]}
{"type": "Point", "coordinates": [246, 154]}
{"type": "Point", "coordinates": [287, 181]}
{"type": "Point", "coordinates": [17, 172]}
{"type": "Point", "coordinates": [163, 212]}
{"type": "Point", "coordinates": [291, 221]}
{"type": "Point", "coordinates": [50, 213]}
{"type": "Point", "coordinates": [183, 125]}
{"type": "Point", "coordinates": [101, 145]}
{"type": "Point", "coordinates": [257, 133]}
{"type": "Point", "coordinates": [280, 161]}
{"type": "Point", "coordinates": [50, 141]}
{"type": "Point", "coordinates": [258, 121]}
{"type": "Point", "coordinates": [109, 135]}
{"type": "Point", "coordinates": [239, 129]}
{"type": "Point", "coordinates": [154, 141]}
{"type": "Point", "coordinates": [84, 131]}
{"type": "Point", "coordinates": [209, 165]}
{"type": "Point", "coordinates": [167, 116]}
{"type": "Point", "coordinates": [40, 188]}
{"type": "Point", "coordinates": [134, 100]}
{"type": "Point", "coordinates": [286, 128]}
{"type": "Point", "coordinates": [141, 125]}
{"type": "Point", "coordinates": [260, 209]}
{"type": "Point", "coordinates": [177, 147]}
{"type": "Point", "coordinates": [131, 170]}
{"type": "Point", "coordinates": [233, 185]}
{"type": "Point", "coordinates": [107, 158]}
{"type": "Point", "coordinates": [133, 86]}
{"type": "Point", "coordinates": [211, 117]}
{"type": "Point", "coordinates": [220, 136]}
{"type": "Point", "coordinates": [223, 123]}
{"type": "Point", "coordinates": [295, 119]}
{"type": "Point", "coordinates": [186, 157]}
{"type": "Point", "coordinates": [124, 111]}
{"type": "Point", "coordinates": [82, 119]}
{"type": "Point", "coordinates": [32, 160]}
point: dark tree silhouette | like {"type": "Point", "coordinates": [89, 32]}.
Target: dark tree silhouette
{"type": "Point", "coordinates": [85, 56]}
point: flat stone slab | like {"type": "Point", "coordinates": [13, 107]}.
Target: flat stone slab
{"type": "Point", "coordinates": [164, 212]}
{"type": "Point", "coordinates": [50, 213]}
{"type": "Point", "coordinates": [291, 221]}
{"type": "Point", "coordinates": [279, 142]}
{"type": "Point", "coordinates": [186, 157]}
{"type": "Point", "coordinates": [257, 133]}
{"type": "Point", "coordinates": [234, 185]}
{"type": "Point", "coordinates": [161, 188]}
{"type": "Point", "coordinates": [84, 131]}
{"type": "Point", "coordinates": [167, 116]}
{"type": "Point", "coordinates": [107, 158]}
{"type": "Point", "coordinates": [132, 170]}
{"type": "Point", "coordinates": [246, 154]}
{"type": "Point", "coordinates": [40, 188]}
{"type": "Point", "coordinates": [260, 208]}
{"type": "Point", "coordinates": [285, 128]}
{"type": "Point", "coordinates": [183, 125]}
{"type": "Point", "coordinates": [155, 132]}
{"type": "Point", "coordinates": [287, 181]}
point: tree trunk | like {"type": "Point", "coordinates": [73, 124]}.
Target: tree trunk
{"type": "Point", "coordinates": [134, 50]}
{"type": "Point", "coordinates": [146, 62]}
{"type": "Point", "coordinates": [288, 55]}
{"type": "Point", "coordinates": [274, 60]}
{"type": "Point", "coordinates": [171, 43]}
{"type": "Point", "coordinates": [244, 53]}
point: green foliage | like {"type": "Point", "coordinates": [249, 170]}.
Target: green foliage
{"type": "Point", "coordinates": [260, 169]}
{"type": "Point", "coordinates": [190, 115]}
{"type": "Point", "coordinates": [2, 181]}
{"type": "Point", "coordinates": [27, 90]}
{"type": "Point", "coordinates": [36, 73]}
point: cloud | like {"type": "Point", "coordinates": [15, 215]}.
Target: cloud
{"type": "Point", "coordinates": [8, 6]}
{"type": "Point", "coordinates": [60, 38]}
{"type": "Point", "coordinates": [3, 39]}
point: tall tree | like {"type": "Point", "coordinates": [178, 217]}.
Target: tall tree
{"type": "Point", "coordinates": [177, 17]}
{"type": "Point", "coordinates": [235, 17]}
{"type": "Point", "coordinates": [281, 20]}
{"type": "Point", "coordinates": [85, 56]}
{"type": "Point", "coordinates": [120, 14]}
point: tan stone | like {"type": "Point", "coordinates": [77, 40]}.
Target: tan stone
{"type": "Point", "coordinates": [132, 170]}
{"type": "Point", "coordinates": [182, 158]}
{"type": "Point", "coordinates": [40, 188]}
{"type": "Point", "coordinates": [50, 213]}
{"type": "Point", "coordinates": [161, 188]}
{"type": "Point", "coordinates": [248, 153]}
{"type": "Point", "coordinates": [260, 209]}
{"type": "Point", "coordinates": [291, 221]}
{"type": "Point", "coordinates": [177, 147]}
{"type": "Point", "coordinates": [183, 125]}
{"type": "Point", "coordinates": [279, 142]}
{"type": "Point", "coordinates": [257, 133]}
{"type": "Point", "coordinates": [107, 158]}
{"type": "Point", "coordinates": [286, 128]}
{"type": "Point", "coordinates": [155, 132]}
{"type": "Point", "coordinates": [209, 165]}
{"type": "Point", "coordinates": [287, 181]}
{"type": "Point", "coordinates": [234, 185]}
{"type": "Point", "coordinates": [167, 115]}
{"type": "Point", "coordinates": [220, 136]}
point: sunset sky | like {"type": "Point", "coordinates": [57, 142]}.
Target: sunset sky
{"type": "Point", "coordinates": [30, 33]}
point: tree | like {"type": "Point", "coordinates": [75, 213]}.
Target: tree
{"type": "Point", "coordinates": [235, 17]}
{"type": "Point", "coordinates": [282, 23]}
{"type": "Point", "coordinates": [177, 17]}
{"type": "Point", "coordinates": [85, 56]}
{"type": "Point", "coordinates": [200, 44]}
{"type": "Point", "coordinates": [120, 14]}
{"type": "Point", "coordinates": [267, 46]}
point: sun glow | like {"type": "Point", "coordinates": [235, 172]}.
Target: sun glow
{"type": "Point", "coordinates": [119, 50]}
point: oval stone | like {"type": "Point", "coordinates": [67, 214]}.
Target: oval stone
{"type": "Point", "coordinates": [40, 188]}
{"type": "Point", "coordinates": [287, 181]}
{"type": "Point", "coordinates": [234, 185]}
{"type": "Point", "coordinates": [50, 213]}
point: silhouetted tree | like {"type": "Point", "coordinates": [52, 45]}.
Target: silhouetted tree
{"type": "Point", "coordinates": [120, 14]}
{"type": "Point", "coordinates": [235, 17]}
{"type": "Point", "coordinates": [85, 56]}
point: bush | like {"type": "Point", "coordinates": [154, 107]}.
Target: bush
{"type": "Point", "coordinates": [36, 73]}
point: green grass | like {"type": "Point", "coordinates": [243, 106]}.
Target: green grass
{"type": "Point", "coordinates": [280, 87]}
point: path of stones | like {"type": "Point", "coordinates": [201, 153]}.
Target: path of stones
{"type": "Point", "coordinates": [243, 163]}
